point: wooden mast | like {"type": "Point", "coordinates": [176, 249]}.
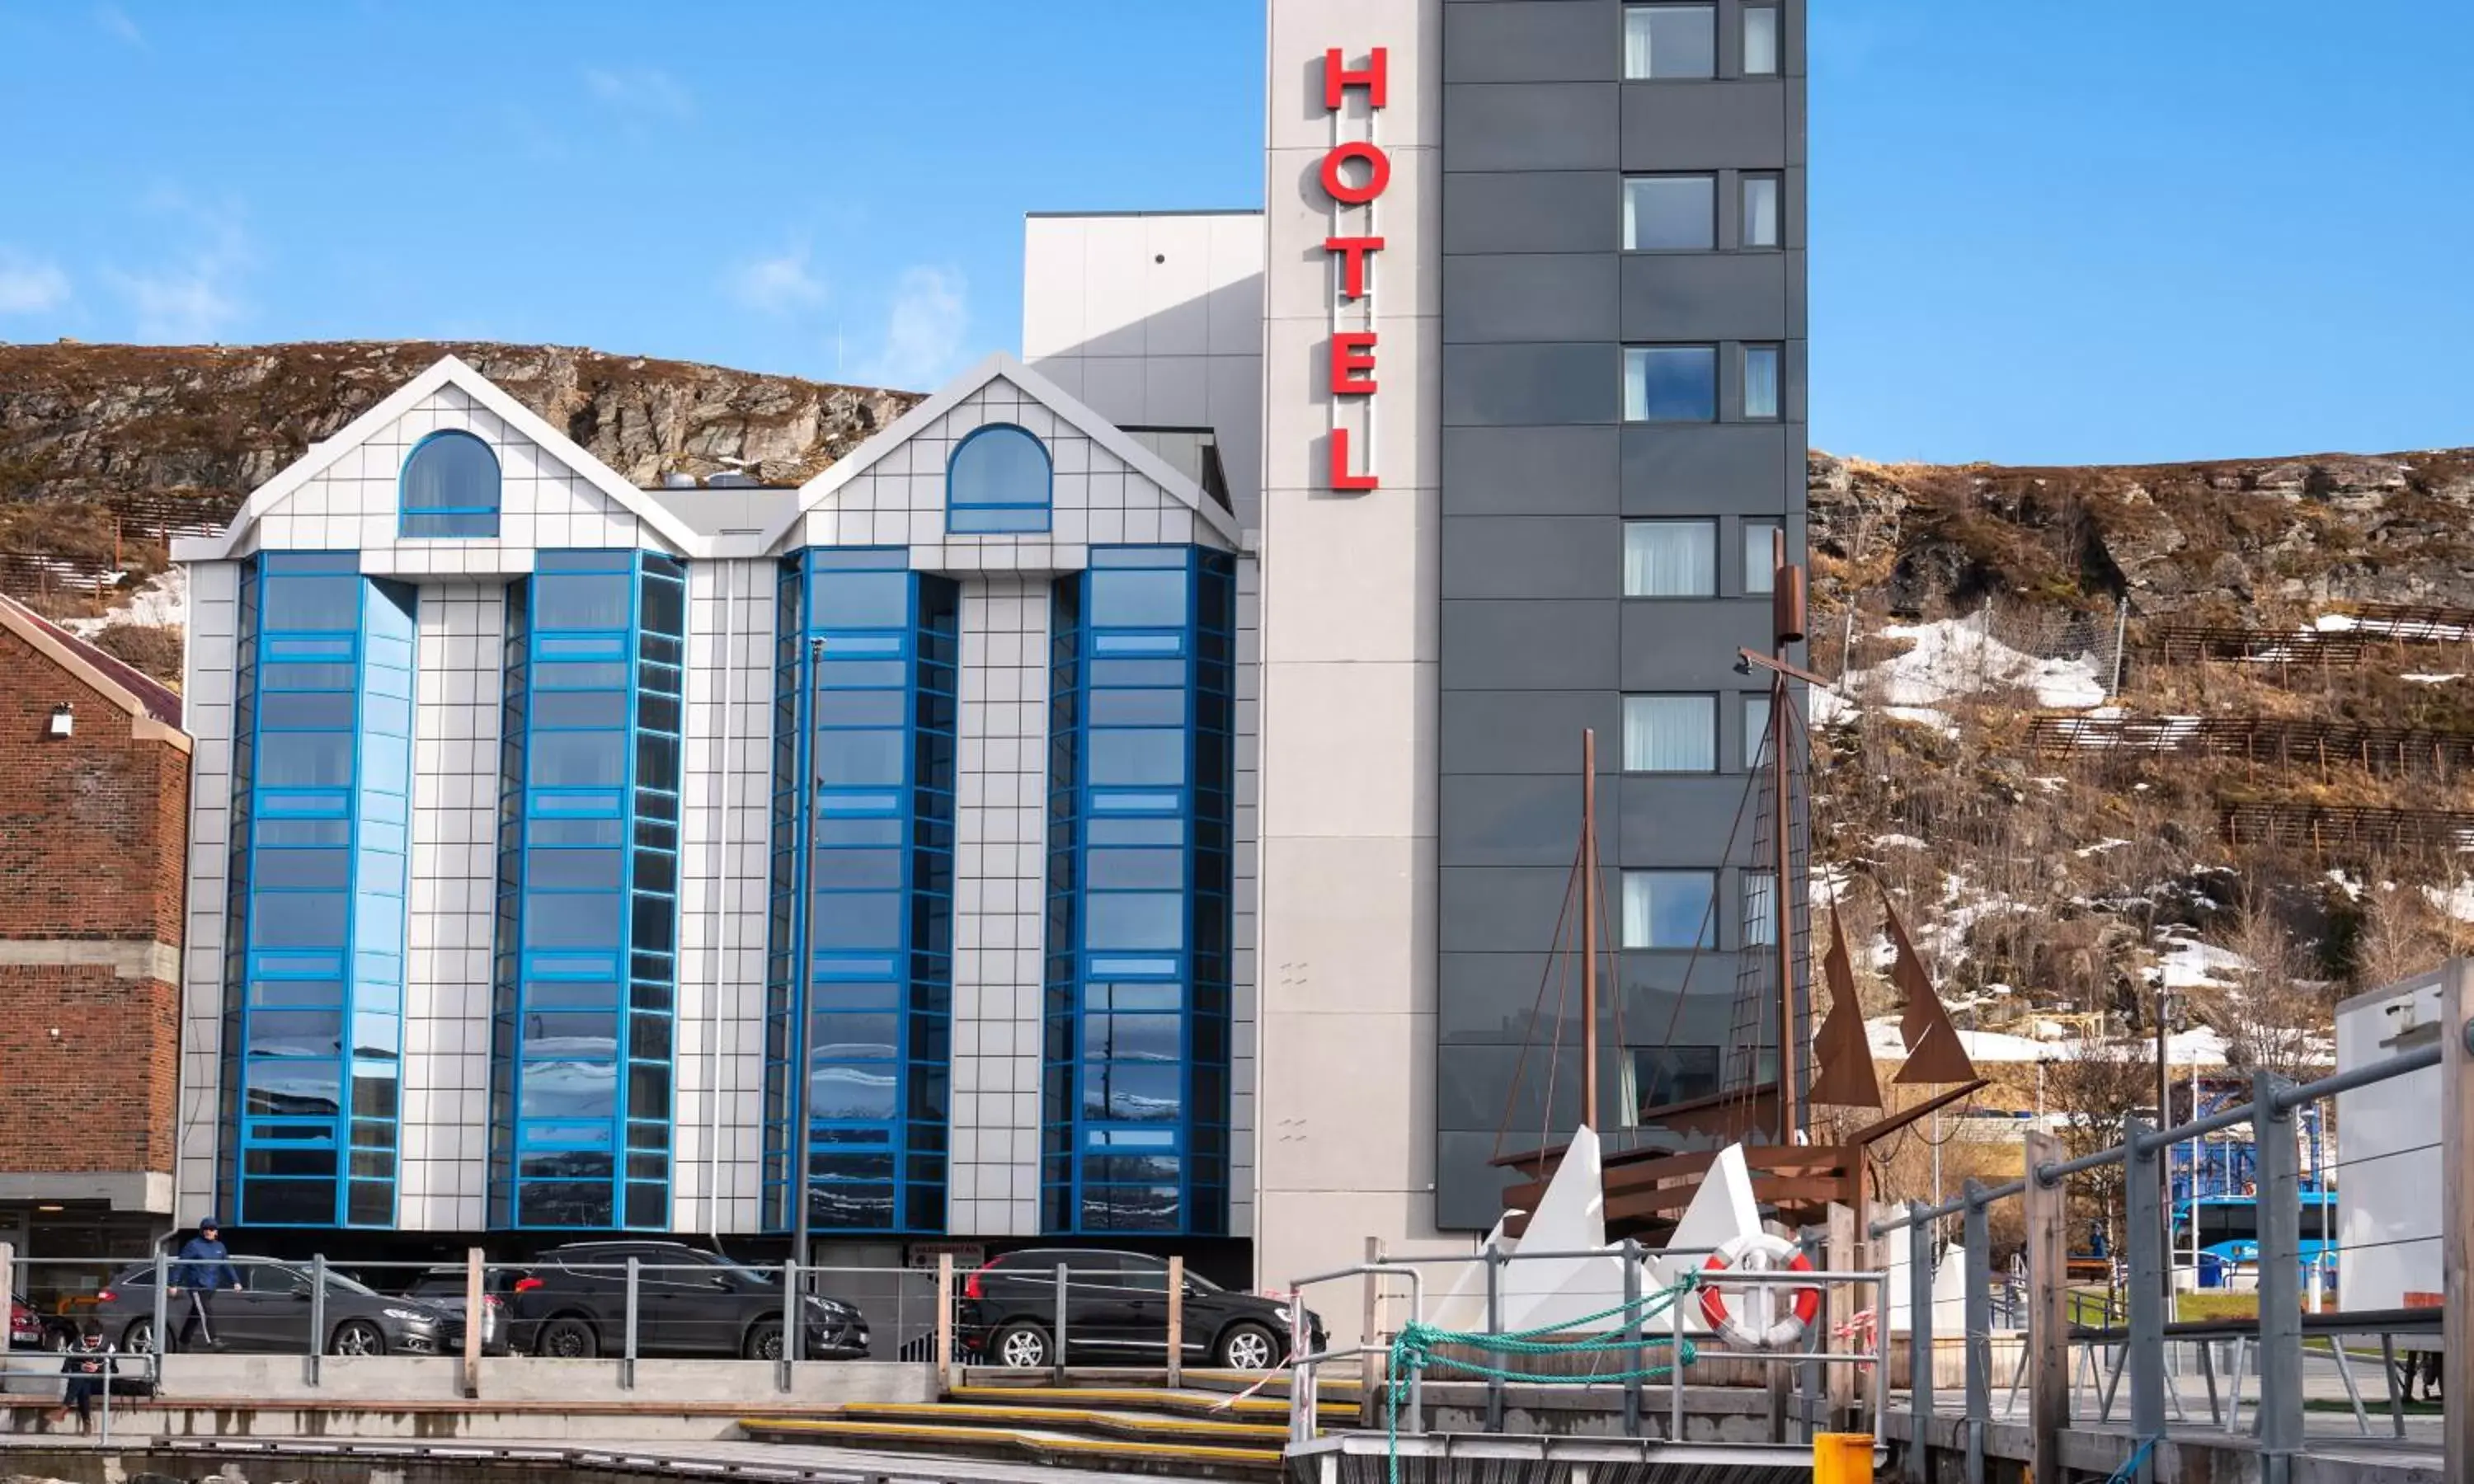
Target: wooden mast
{"type": "Point", "coordinates": [1589, 928]}
{"type": "Point", "coordinates": [1786, 613]}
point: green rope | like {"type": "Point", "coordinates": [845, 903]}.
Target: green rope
{"type": "Point", "coordinates": [1417, 1346]}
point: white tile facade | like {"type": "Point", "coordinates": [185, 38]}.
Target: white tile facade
{"type": "Point", "coordinates": [207, 688]}
{"type": "Point", "coordinates": [458, 695]}
{"type": "Point", "coordinates": [724, 885]}
{"type": "Point", "coordinates": [1000, 830]}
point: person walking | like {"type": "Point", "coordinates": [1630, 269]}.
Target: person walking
{"type": "Point", "coordinates": [205, 1269]}
{"type": "Point", "coordinates": [88, 1368]}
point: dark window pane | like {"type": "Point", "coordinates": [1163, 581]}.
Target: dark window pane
{"type": "Point", "coordinates": [848, 1091]}
{"type": "Point", "coordinates": [1137, 757]}
{"type": "Point", "coordinates": [326, 603]}
{"type": "Point", "coordinates": [580, 600]}
{"type": "Point", "coordinates": [1670, 213]}
{"type": "Point", "coordinates": [574, 870]}
{"type": "Point", "coordinates": [1133, 598]}
{"type": "Point", "coordinates": [862, 600]}
{"type": "Point", "coordinates": [568, 1090]}
{"type": "Point", "coordinates": [1132, 1092]}
{"type": "Point", "coordinates": [555, 920]}
{"type": "Point", "coordinates": [998, 465]}
{"type": "Point", "coordinates": [576, 759]}
{"type": "Point", "coordinates": [305, 759]}
{"type": "Point", "coordinates": [1670, 41]}
{"type": "Point", "coordinates": [1670, 383]}
{"type": "Point", "coordinates": [556, 708]}
{"type": "Point", "coordinates": [451, 471]}
{"type": "Point", "coordinates": [848, 759]}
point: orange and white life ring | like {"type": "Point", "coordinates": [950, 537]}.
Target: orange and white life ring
{"type": "Point", "coordinates": [1759, 1253]}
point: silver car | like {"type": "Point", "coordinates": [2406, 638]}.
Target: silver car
{"type": "Point", "coordinates": [272, 1310]}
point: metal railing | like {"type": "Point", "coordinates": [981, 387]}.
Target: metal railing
{"type": "Point", "coordinates": [1376, 1354]}
{"type": "Point", "coordinates": [2071, 1370]}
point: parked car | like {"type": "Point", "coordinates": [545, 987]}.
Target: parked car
{"type": "Point", "coordinates": [26, 1328]}
{"type": "Point", "coordinates": [444, 1289]}
{"type": "Point", "coordinates": [271, 1312]}
{"type": "Point", "coordinates": [573, 1303]}
{"type": "Point", "coordinates": [1116, 1313]}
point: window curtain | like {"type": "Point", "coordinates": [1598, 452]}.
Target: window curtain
{"type": "Point", "coordinates": [1630, 223]}
{"type": "Point", "coordinates": [1761, 211]}
{"type": "Point", "coordinates": [1761, 910]}
{"type": "Point", "coordinates": [1760, 382]}
{"type": "Point", "coordinates": [1760, 42]}
{"type": "Point", "coordinates": [1637, 28]}
{"type": "Point", "coordinates": [1668, 558]}
{"type": "Point", "coordinates": [1670, 734]}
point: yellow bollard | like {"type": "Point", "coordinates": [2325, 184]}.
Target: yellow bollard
{"type": "Point", "coordinates": [1843, 1458]}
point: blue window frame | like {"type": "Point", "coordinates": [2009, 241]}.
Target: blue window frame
{"type": "Point", "coordinates": [586, 964]}
{"type": "Point", "coordinates": [1134, 1119]}
{"type": "Point", "coordinates": [313, 958]}
{"type": "Point", "coordinates": [998, 482]}
{"type": "Point", "coordinates": [450, 487]}
{"type": "Point", "coordinates": [859, 977]}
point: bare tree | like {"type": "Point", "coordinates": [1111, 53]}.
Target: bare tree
{"type": "Point", "coordinates": [2089, 1088]}
{"type": "Point", "coordinates": [2272, 1016]}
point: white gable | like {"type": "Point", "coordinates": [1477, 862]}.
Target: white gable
{"type": "Point", "coordinates": [343, 494]}
{"type": "Point", "coordinates": [1107, 490]}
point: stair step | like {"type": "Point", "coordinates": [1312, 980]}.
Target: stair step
{"type": "Point", "coordinates": [1040, 1446]}
{"type": "Point", "coordinates": [1142, 1427]}
{"type": "Point", "coordinates": [1140, 1398]}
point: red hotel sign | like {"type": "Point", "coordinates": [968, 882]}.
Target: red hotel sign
{"type": "Point", "coordinates": [1354, 174]}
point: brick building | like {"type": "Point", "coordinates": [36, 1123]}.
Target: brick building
{"type": "Point", "coordinates": [94, 787]}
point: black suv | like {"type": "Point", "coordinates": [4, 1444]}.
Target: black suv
{"type": "Point", "coordinates": [1116, 1313]}
{"type": "Point", "coordinates": [573, 1303]}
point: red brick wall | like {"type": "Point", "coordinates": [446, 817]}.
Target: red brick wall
{"type": "Point", "coordinates": [93, 839]}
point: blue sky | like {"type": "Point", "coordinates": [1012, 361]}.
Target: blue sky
{"type": "Point", "coordinates": [2111, 231]}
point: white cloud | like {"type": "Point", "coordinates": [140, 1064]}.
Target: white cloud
{"type": "Point", "coordinates": [646, 92]}
{"type": "Point", "coordinates": [193, 299]}
{"type": "Point", "coordinates": [29, 285]}
{"type": "Point", "coordinates": [781, 284]}
{"type": "Point", "coordinates": [923, 331]}
{"type": "Point", "coordinates": [116, 23]}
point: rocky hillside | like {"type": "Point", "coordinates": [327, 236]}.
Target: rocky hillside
{"type": "Point", "coordinates": [180, 435]}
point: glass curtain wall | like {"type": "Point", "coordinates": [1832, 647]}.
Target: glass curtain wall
{"type": "Point", "coordinates": [322, 780]}
{"type": "Point", "coordinates": [1134, 1133]}
{"type": "Point", "coordinates": [860, 976]}
{"type": "Point", "coordinates": [588, 893]}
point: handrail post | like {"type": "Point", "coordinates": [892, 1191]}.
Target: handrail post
{"type": "Point", "coordinates": [162, 1307]}
{"type": "Point", "coordinates": [791, 1328]}
{"type": "Point", "coordinates": [2049, 1333]}
{"type": "Point", "coordinates": [945, 1323]}
{"type": "Point", "coordinates": [1632, 1338]}
{"type": "Point", "coordinates": [1056, 1364]}
{"type": "Point", "coordinates": [2143, 1216]}
{"type": "Point", "coordinates": [1975, 1234]}
{"type": "Point", "coordinates": [1920, 1345]}
{"type": "Point", "coordinates": [1176, 1322]}
{"type": "Point", "coordinates": [2280, 1277]}
{"type": "Point", "coordinates": [1494, 1327]}
{"type": "Point", "coordinates": [317, 1315]}
{"type": "Point", "coordinates": [476, 1319]}
{"type": "Point", "coordinates": [2456, 1220]}
{"type": "Point", "coordinates": [1369, 1368]}
{"type": "Point", "coordinates": [627, 1356]}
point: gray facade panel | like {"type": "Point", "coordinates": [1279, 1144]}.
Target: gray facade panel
{"type": "Point", "coordinates": [1670, 821]}
{"type": "Point", "coordinates": [1533, 211]}
{"type": "Point", "coordinates": [1482, 1089]}
{"type": "Point", "coordinates": [1532, 126]}
{"type": "Point", "coordinates": [1698, 295]}
{"type": "Point", "coordinates": [1492, 999]}
{"type": "Point", "coordinates": [1521, 820]}
{"type": "Point", "coordinates": [1687, 645]}
{"type": "Point", "coordinates": [1531, 385]}
{"type": "Point", "coordinates": [1532, 472]}
{"type": "Point", "coordinates": [1741, 467]}
{"type": "Point", "coordinates": [1532, 556]}
{"type": "Point", "coordinates": [1539, 731]}
{"type": "Point", "coordinates": [1493, 645]}
{"type": "Point", "coordinates": [1529, 296]}
{"type": "Point", "coordinates": [1469, 1190]}
{"type": "Point", "coordinates": [1493, 908]}
{"type": "Point", "coordinates": [1532, 41]}
{"type": "Point", "coordinates": [1703, 126]}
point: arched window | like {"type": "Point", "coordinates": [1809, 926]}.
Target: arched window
{"type": "Point", "coordinates": [997, 483]}
{"type": "Point", "coordinates": [450, 488]}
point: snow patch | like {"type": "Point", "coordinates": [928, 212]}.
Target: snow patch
{"type": "Point", "coordinates": [2431, 679]}
{"type": "Point", "coordinates": [2100, 848]}
{"type": "Point", "coordinates": [162, 601]}
{"type": "Point", "coordinates": [2458, 901]}
{"type": "Point", "coordinates": [1954, 657]}
{"type": "Point", "coordinates": [2187, 963]}
{"type": "Point", "coordinates": [1899, 842]}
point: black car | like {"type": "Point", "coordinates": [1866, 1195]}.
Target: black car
{"type": "Point", "coordinates": [271, 1309]}
{"type": "Point", "coordinates": [1116, 1313]}
{"type": "Point", "coordinates": [573, 1303]}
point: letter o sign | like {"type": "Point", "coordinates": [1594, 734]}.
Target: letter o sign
{"type": "Point", "coordinates": [1378, 173]}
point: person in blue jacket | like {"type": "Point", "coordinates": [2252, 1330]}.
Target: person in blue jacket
{"type": "Point", "coordinates": [205, 1269]}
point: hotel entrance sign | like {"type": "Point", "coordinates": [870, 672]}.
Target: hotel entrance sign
{"type": "Point", "coordinates": [1354, 174]}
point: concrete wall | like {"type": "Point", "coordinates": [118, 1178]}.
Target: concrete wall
{"type": "Point", "coordinates": [1346, 1095]}
{"type": "Point", "coordinates": [1539, 472]}
{"type": "Point", "coordinates": [1154, 320]}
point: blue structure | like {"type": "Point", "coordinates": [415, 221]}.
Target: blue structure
{"type": "Point", "coordinates": [1134, 1116]}
{"type": "Point", "coordinates": [313, 964]}
{"type": "Point", "coordinates": [586, 959]}
{"type": "Point", "coordinates": [860, 983]}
